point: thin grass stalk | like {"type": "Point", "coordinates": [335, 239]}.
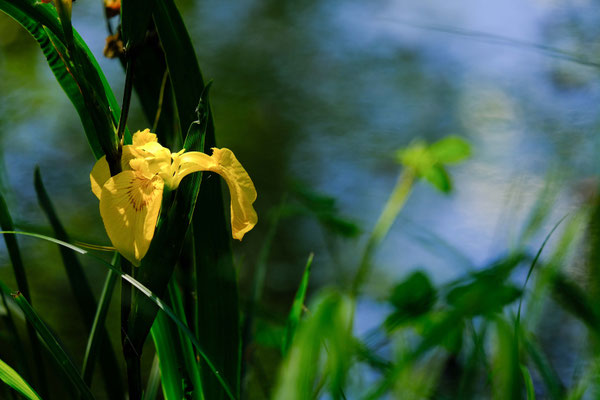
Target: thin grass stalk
{"type": "Point", "coordinates": [53, 346]}
{"type": "Point", "coordinates": [146, 292]}
{"type": "Point", "coordinates": [23, 286]}
{"type": "Point", "coordinates": [22, 364]}
{"type": "Point", "coordinates": [95, 336]}
{"type": "Point", "coordinates": [387, 217]}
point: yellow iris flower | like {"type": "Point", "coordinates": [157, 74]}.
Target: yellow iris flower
{"type": "Point", "coordinates": [130, 201]}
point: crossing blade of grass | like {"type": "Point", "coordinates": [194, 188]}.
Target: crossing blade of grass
{"type": "Point", "coordinates": [14, 380]}
{"type": "Point", "coordinates": [296, 311]}
{"type": "Point", "coordinates": [21, 277]}
{"type": "Point", "coordinates": [17, 344]}
{"type": "Point", "coordinates": [84, 296]}
{"type": "Point", "coordinates": [96, 334]}
{"type": "Point", "coordinates": [146, 292]}
{"type": "Point", "coordinates": [54, 347]}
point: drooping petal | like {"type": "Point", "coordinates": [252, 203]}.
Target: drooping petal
{"type": "Point", "coordinates": [129, 206]}
{"type": "Point", "coordinates": [241, 188]}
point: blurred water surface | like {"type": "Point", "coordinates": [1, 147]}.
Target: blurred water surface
{"type": "Point", "coordinates": [323, 93]}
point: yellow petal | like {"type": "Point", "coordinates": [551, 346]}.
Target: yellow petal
{"type": "Point", "coordinates": [99, 175]}
{"type": "Point", "coordinates": [241, 188]}
{"type": "Point", "coordinates": [101, 172]}
{"type": "Point", "coordinates": [140, 138]}
{"type": "Point", "coordinates": [129, 206]}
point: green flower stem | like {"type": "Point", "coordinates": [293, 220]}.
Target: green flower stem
{"type": "Point", "coordinates": [387, 217]}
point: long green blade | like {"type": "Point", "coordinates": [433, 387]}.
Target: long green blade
{"type": "Point", "coordinates": [218, 308]}
{"type": "Point", "coordinates": [53, 345]}
{"type": "Point", "coordinates": [146, 292]}
{"type": "Point", "coordinates": [169, 357]}
{"type": "Point", "coordinates": [21, 278]}
{"type": "Point", "coordinates": [14, 380]}
{"type": "Point", "coordinates": [98, 332]}
{"type": "Point", "coordinates": [82, 80]}
{"type": "Point", "coordinates": [85, 298]}
{"type": "Point", "coordinates": [296, 311]}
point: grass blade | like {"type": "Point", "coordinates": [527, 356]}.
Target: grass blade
{"type": "Point", "coordinates": [23, 286]}
{"type": "Point", "coordinates": [530, 390]}
{"type": "Point", "coordinates": [146, 292]}
{"type": "Point", "coordinates": [217, 301]}
{"type": "Point", "coordinates": [555, 387]}
{"type": "Point", "coordinates": [98, 332]}
{"type": "Point", "coordinates": [14, 380]}
{"type": "Point", "coordinates": [52, 344]}
{"type": "Point", "coordinates": [153, 381]}
{"type": "Point", "coordinates": [84, 297]}
{"type": "Point", "coordinates": [181, 375]}
{"type": "Point", "coordinates": [81, 78]}
{"type": "Point", "coordinates": [169, 357]}
{"type": "Point", "coordinates": [19, 349]}
{"type": "Point", "coordinates": [296, 311]}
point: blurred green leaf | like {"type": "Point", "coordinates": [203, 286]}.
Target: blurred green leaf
{"type": "Point", "coordinates": [322, 207]}
{"type": "Point", "coordinates": [14, 380]}
{"type": "Point", "coordinates": [324, 334]}
{"type": "Point", "coordinates": [555, 387]}
{"type": "Point", "coordinates": [483, 297]}
{"type": "Point", "coordinates": [296, 311]}
{"type": "Point", "coordinates": [416, 156]}
{"type": "Point", "coordinates": [530, 390]}
{"type": "Point", "coordinates": [268, 334]}
{"type": "Point", "coordinates": [576, 301]}
{"type": "Point", "coordinates": [506, 372]}
{"type": "Point", "coordinates": [450, 150]}
{"type": "Point", "coordinates": [441, 328]}
{"type": "Point", "coordinates": [428, 161]}
{"type": "Point", "coordinates": [438, 177]}
{"type": "Point", "coordinates": [411, 298]}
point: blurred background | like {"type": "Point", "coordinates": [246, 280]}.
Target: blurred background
{"type": "Point", "coordinates": [314, 98]}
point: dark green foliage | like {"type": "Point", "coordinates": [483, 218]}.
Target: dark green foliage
{"type": "Point", "coordinates": [83, 294]}
{"type": "Point", "coordinates": [411, 298]}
